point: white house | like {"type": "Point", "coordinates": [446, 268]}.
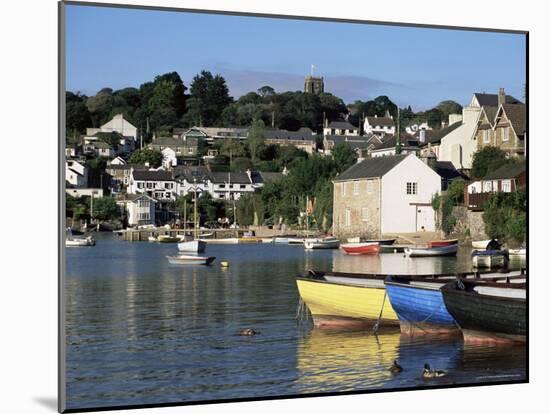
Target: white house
{"type": "Point", "coordinates": [118, 124]}
{"type": "Point", "coordinates": [230, 185]}
{"type": "Point", "coordinates": [76, 174]}
{"type": "Point", "coordinates": [159, 184]}
{"type": "Point", "coordinates": [414, 128]}
{"type": "Point", "coordinates": [140, 209]}
{"type": "Point", "coordinates": [385, 195]}
{"type": "Point", "coordinates": [459, 145]}
{"type": "Point", "coordinates": [340, 128]}
{"type": "Point", "coordinates": [379, 125]}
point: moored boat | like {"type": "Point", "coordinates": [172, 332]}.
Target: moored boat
{"type": "Point", "coordinates": [449, 250]}
{"type": "Point", "coordinates": [488, 312]}
{"type": "Point", "coordinates": [381, 242]}
{"type": "Point", "coordinates": [196, 246]}
{"type": "Point", "coordinates": [296, 240]}
{"type": "Point", "coordinates": [490, 258]}
{"type": "Point", "coordinates": [190, 260]}
{"type": "Point", "coordinates": [324, 243]}
{"type": "Point", "coordinates": [229, 240]}
{"type": "Point", "coordinates": [79, 241]}
{"type": "Point", "coordinates": [360, 248]}
{"type": "Point", "coordinates": [342, 305]}
{"type": "Point", "coordinates": [517, 252]}
{"type": "Point", "coordinates": [419, 305]}
{"type": "Point", "coordinates": [442, 243]}
{"type": "Point", "coordinates": [267, 239]}
{"type": "Point", "coordinates": [393, 248]}
{"type": "Point", "coordinates": [165, 238]}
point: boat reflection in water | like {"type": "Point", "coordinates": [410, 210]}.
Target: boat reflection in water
{"type": "Point", "coordinates": [337, 361]}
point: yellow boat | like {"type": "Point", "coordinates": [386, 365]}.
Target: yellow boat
{"type": "Point", "coordinates": [337, 303]}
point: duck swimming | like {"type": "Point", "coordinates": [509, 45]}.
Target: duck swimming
{"type": "Point", "coordinates": [429, 373]}
{"type": "Point", "coordinates": [247, 332]}
{"type": "Point", "coordinates": [395, 368]}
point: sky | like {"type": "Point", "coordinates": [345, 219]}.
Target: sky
{"type": "Point", "coordinates": [118, 48]}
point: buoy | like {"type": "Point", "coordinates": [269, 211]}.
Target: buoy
{"type": "Point", "coordinates": [224, 263]}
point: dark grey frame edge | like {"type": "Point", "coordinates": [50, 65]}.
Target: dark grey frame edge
{"type": "Point", "coordinates": [61, 385]}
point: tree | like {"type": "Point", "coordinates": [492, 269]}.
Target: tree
{"type": "Point", "coordinates": [449, 107]}
{"type": "Point", "coordinates": [105, 208]}
{"type": "Point", "coordinates": [322, 210]}
{"type": "Point", "coordinates": [487, 159]}
{"type": "Point", "coordinates": [266, 91]}
{"type": "Point", "coordinates": [100, 106]}
{"type": "Point", "coordinates": [209, 97]}
{"type": "Point", "coordinates": [344, 156]}
{"type": "Point", "coordinates": [77, 115]}
{"type": "Point", "coordinates": [142, 156]}
{"type": "Point", "coordinates": [505, 216]}
{"type": "Point", "coordinates": [250, 210]}
{"type": "Point", "coordinates": [255, 138]}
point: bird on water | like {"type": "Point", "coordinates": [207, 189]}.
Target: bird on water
{"type": "Point", "coordinates": [430, 373]}
{"type": "Point", "coordinates": [395, 368]}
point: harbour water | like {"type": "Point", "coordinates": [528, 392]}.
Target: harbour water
{"type": "Point", "coordinates": [142, 331]}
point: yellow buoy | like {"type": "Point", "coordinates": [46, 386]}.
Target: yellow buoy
{"type": "Point", "coordinates": [224, 263]}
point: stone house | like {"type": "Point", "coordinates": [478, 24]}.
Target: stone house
{"type": "Point", "coordinates": [384, 195]}
{"type": "Point", "coordinates": [304, 138]}
{"type": "Point", "coordinates": [183, 146]}
{"type": "Point", "coordinates": [508, 131]}
{"type": "Point", "coordinates": [140, 209]}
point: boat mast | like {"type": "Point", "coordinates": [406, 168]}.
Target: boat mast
{"type": "Point", "coordinates": [184, 216]}
{"type": "Point", "coordinates": [195, 207]}
{"type": "Point", "coordinates": [307, 215]}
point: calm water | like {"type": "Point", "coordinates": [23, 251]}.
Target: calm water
{"type": "Point", "coordinates": [142, 331]}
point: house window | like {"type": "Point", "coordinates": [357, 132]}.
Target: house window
{"type": "Point", "coordinates": [190, 150]}
{"type": "Point", "coordinates": [487, 186]}
{"type": "Point", "coordinates": [486, 138]}
{"type": "Point", "coordinates": [332, 132]}
{"type": "Point", "coordinates": [505, 134]}
{"type": "Point", "coordinates": [343, 189]}
{"type": "Point", "coordinates": [168, 186]}
{"type": "Point", "coordinates": [347, 219]}
{"type": "Point", "coordinates": [369, 186]}
{"type": "Point", "coordinates": [411, 188]}
{"type": "Point", "coordinates": [506, 186]}
{"type": "Point", "coordinates": [356, 188]}
{"type": "Point", "coordinates": [150, 185]}
{"type": "Point", "coordinates": [365, 214]}
{"type": "Point", "coordinates": [221, 186]}
{"type": "Point", "coordinates": [243, 185]}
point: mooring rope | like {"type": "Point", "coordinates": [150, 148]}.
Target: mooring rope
{"type": "Point", "coordinates": [377, 324]}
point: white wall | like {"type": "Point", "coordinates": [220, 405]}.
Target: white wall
{"type": "Point", "coordinates": [459, 146]}
{"type": "Point", "coordinates": [398, 216]}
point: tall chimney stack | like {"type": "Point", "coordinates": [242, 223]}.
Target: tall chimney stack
{"type": "Point", "coordinates": [501, 97]}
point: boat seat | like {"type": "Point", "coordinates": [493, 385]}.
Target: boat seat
{"type": "Point", "coordinates": [502, 292]}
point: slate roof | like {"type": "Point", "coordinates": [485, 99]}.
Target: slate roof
{"type": "Point", "coordinates": [303, 134]}
{"type": "Point", "coordinates": [380, 121]}
{"type": "Point", "coordinates": [352, 141]}
{"type": "Point", "coordinates": [507, 171]}
{"type": "Point", "coordinates": [259, 177]}
{"type": "Point", "coordinates": [517, 116]}
{"type": "Point", "coordinates": [435, 136]}
{"type": "Point", "coordinates": [191, 173]}
{"type": "Point", "coordinates": [491, 99]}
{"type": "Point", "coordinates": [370, 168]}
{"type": "Point", "coordinates": [407, 140]}
{"type": "Point", "coordinates": [447, 170]}
{"type": "Point", "coordinates": [147, 175]}
{"type": "Point", "coordinates": [341, 125]}
{"type": "Point", "coordinates": [233, 178]}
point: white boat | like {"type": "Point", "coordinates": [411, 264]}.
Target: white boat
{"type": "Point", "coordinates": [480, 244]}
{"type": "Point", "coordinates": [229, 240]}
{"type": "Point", "coordinates": [196, 246]}
{"type": "Point", "coordinates": [449, 250]}
{"type": "Point", "coordinates": [517, 252]}
{"type": "Point", "coordinates": [190, 260]}
{"type": "Point", "coordinates": [281, 240]}
{"type": "Point", "coordinates": [152, 239]}
{"type": "Point", "coordinates": [326, 243]}
{"type": "Point", "coordinates": [267, 240]}
{"type": "Point", "coordinates": [79, 242]}
{"type": "Point", "coordinates": [296, 240]}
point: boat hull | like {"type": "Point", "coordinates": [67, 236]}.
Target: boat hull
{"type": "Point", "coordinates": [360, 248]}
{"type": "Point", "coordinates": [420, 308]}
{"type": "Point", "coordinates": [231, 240]}
{"type": "Point", "coordinates": [381, 242]}
{"type": "Point", "coordinates": [190, 260]}
{"type": "Point", "coordinates": [442, 243]}
{"type": "Point", "coordinates": [321, 244]}
{"type": "Point", "coordinates": [484, 318]}
{"type": "Point", "coordinates": [489, 259]}
{"type": "Point", "coordinates": [450, 250]}
{"type": "Point", "coordinates": [338, 306]}
{"type": "Point", "coordinates": [480, 244]}
{"type": "Point", "coordinates": [196, 246]}
{"type": "Point", "coordinates": [168, 239]}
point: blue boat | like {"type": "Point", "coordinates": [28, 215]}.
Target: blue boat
{"type": "Point", "coordinates": [419, 305]}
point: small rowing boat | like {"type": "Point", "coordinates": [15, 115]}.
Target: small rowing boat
{"type": "Point", "coordinates": [190, 260]}
{"type": "Point", "coordinates": [449, 250]}
{"type": "Point", "coordinates": [488, 312]}
{"type": "Point", "coordinates": [490, 258]}
{"type": "Point", "coordinates": [442, 243]}
{"type": "Point", "coordinates": [393, 248]}
{"type": "Point", "coordinates": [360, 248]}
{"type": "Point", "coordinates": [79, 241]}
{"type": "Point", "coordinates": [325, 243]}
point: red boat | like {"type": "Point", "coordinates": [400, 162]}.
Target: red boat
{"type": "Point", "coordinates": [442, 243]}
{"type": "Point", "coordinates": [361, 248]}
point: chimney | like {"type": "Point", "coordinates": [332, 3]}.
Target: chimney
{"type": "Point", "coordinates": [422, 135]}
{"type": "Point", "coordinates": [501, 97]}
